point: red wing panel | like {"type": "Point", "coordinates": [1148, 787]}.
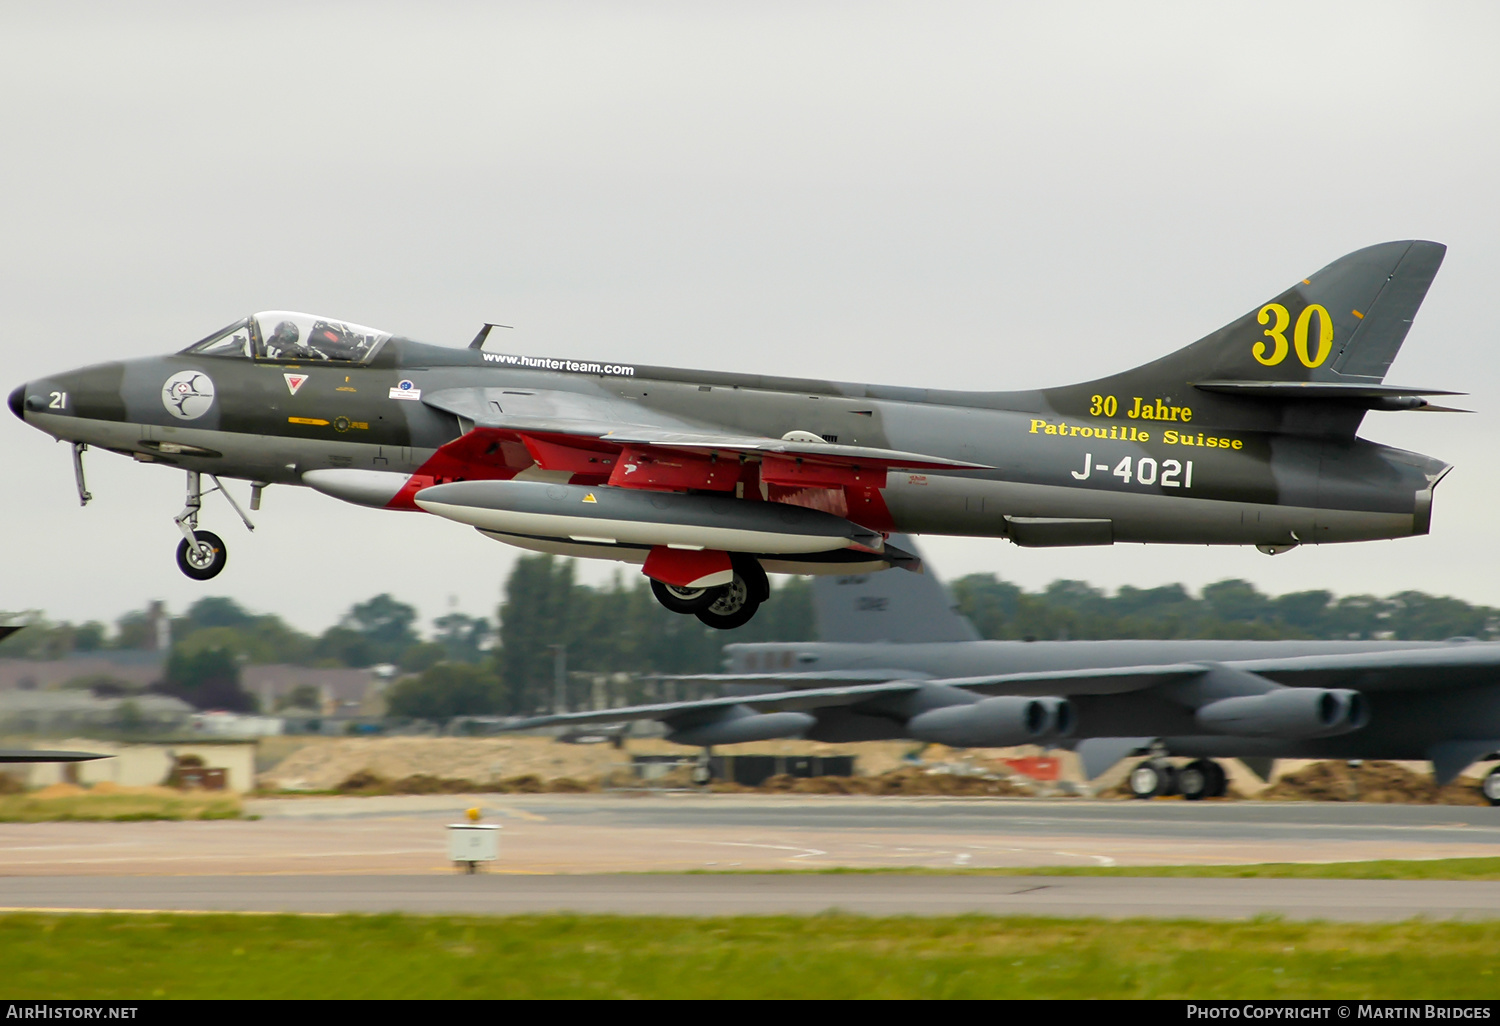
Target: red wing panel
{"type": "Point", "coordinates": [797, 473]}
{"type": "Point", "coordinates": [669, 470]}
{"type": "Point", "coordinates": [483, 454]}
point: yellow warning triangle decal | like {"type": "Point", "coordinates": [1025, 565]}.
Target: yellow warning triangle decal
{"type": "Point", "coordinates": [590, 498]}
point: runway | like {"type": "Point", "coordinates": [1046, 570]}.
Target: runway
{"type": "Point", "coordinates": [748, 894]}
{"type": "Point", "coordinates": [612, 833]}
{"type": "Point", "coordinates": [627, 853]}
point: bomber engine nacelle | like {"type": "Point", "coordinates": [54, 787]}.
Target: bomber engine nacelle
{"type": "Point", "coordinates": [740, 723]}
{"type": "Point", "coordinates": [996, 722]}
{"type": "Point", "coordinates": [1296, 713]}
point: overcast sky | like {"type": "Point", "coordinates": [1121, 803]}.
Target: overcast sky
{"type": "Point", "coordinates": [980, 195]}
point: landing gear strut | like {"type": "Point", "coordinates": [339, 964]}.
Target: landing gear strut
{"type": "Point", "coordinates": [201, 555]}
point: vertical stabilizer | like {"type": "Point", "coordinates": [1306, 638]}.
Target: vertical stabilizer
{"type": "Point", "coordinates": [900, 608]}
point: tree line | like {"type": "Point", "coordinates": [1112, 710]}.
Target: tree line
{"type": "Point", "coordinates": [465, 665]}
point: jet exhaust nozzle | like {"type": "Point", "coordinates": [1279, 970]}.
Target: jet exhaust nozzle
{"type": "Point", "coordinates": [636, 517]}
{"type": "Point", "coordinates": [1294, 713]}
{"type": "Point", "coordinates": [996, 722]}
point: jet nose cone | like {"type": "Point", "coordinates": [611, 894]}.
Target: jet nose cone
{"type": "Point", "coordinates": [18, 401]}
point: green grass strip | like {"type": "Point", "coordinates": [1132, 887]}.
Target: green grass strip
{"type": "Point", "coordinates": [828, 956]}
{"type": "Point", "coordinates": [1383, 869]}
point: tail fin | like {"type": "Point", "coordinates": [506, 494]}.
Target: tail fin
{"type": "Point", "coordinates": [888, 606]}
{"type": "Point", "coordinates": [1334, 333]}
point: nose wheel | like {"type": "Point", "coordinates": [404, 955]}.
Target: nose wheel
{"type": "Point", "coordinates": [201, 555]}
{"type": "Point", "coordinates": [203, 559]}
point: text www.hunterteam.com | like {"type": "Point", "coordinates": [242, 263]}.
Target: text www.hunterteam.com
{"type": "Point", "coordinates": [547, 363]}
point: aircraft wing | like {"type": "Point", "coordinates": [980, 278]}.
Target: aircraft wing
{"type": "Point", "coordinates": [588, 435]}
{"type": "Point", "coordinates": [780, 701]}
{"type": "Point", "coordinates": [1459, 664]}
{"type": "Point", "coordinates": [16, 755]}
{"type": "Point", "coordinates": [1108, 681]}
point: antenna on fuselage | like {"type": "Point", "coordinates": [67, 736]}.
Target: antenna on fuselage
{"type": "Point", "coordinates": [484, 333]}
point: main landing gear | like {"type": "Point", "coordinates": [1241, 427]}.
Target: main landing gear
{"type": "Point", "coordinates": [201, 555]}
{"type": "Point", "coordinates": [1491, 786]}
{"type": "Point", "coordinates": [724, 607]}
{"type": "Point", "coordinates": [1199, 779]}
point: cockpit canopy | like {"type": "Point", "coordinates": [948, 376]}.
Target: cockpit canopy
{"type": "Point", "coordinates": [284, 335]}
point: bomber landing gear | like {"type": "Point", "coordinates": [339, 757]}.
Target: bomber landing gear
{"type": "Point", "coordinates": [202, 554]}
{"type": "Point", "coordinates": [1153, 778]}
{"type": "Point", "coordinates": [1491, 786]}
{"type": "Point", "coordinates": [1202, 778]}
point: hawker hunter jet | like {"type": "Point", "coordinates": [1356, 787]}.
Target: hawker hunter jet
{"type": "Point", "coordinates": [711, 480]}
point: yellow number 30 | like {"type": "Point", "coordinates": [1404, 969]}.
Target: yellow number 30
{"type": "Point", "coordinates": [1277, 334]}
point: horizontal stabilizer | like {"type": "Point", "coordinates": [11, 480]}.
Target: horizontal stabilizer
{"type": "Point", "coordinates": [1315, 389]}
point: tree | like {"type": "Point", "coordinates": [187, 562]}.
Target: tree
{"type": "Point", "coordinates": [383, 624]}
{"type": "Point", "coordinates": [206, 679]}
{"type": "Point", "coordinates": [445, 691]}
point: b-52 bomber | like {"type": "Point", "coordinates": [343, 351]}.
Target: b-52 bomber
{"type": "Point", "coordinates": [711, 480]}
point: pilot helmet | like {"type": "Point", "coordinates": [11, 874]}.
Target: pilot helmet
{"type": "Point", "coordinates": [286, 334]}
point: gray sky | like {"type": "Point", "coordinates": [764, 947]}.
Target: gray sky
{"type": "Point", "coordinates": [979, 195]}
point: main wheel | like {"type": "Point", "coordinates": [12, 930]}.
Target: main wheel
{"type": "Point", "coordinates": [1221, 779]}
{"type": "Point", "coordinates": [1151, 778]}
{"type": "Point", "coordinates": [1491, 786]}
{"type": "Point", "coordinates": [1197, 779]}
{"type": "Point", "coordinates": [754, 574]}
{"type": "Point", "coordinates": [683, 600]}
{"type": "Point", "coordinates": [206, 559]}
{"type": "Point", "coordinates": [733, 607]}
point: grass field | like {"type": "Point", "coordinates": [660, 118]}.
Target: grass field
{"type": "Point", "coordinates": [1382, 869]}
{"type": "Point", "coordinates": [831, 956]}
{"type": "Point", "coordinates": [122, 805]}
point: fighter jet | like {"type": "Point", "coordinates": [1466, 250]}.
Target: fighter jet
{"type": "Point", "coordinates": [711, 480]}
{"type": "Point", "coordinates": [896, 661]}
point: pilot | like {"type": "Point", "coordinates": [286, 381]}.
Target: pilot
{"type": "Point", "coordinates": [283, 341]}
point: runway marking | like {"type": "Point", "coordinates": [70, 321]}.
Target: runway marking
{"type": "Point", "coordinates": [531, 817]}
{"type": "Point", "coordinates": [164, 911]}
{"type": "Point", "coordinates": [806, 852]}
{"type": "Point", "coordinates": [1103, 860]}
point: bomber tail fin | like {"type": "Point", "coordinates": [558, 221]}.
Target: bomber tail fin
{"type": "Point", "coordinates": [1331, 337]}
{"type": "Point", "coordinates": [888, 606]}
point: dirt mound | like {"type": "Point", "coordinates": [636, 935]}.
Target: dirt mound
{"type": "Point", "coordinates": [328, 765]}
{"type": "Point", "coordinates": [367, 782]}
{"type": "Point", "coordinates": [1381, 782]}
{"type": "Point", "coordinates": [905, 781]}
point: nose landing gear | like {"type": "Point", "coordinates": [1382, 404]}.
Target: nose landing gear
{"type": "Point", "coordinates": [201, 555]}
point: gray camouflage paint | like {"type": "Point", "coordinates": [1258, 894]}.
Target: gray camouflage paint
{"type": "Point", "coordinates": [1287, 470]}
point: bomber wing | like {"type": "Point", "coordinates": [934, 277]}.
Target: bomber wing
{"type": "Point", "coordinates": [1459, 664]}
{"type": "Point", "coordinates": [1110, 681]}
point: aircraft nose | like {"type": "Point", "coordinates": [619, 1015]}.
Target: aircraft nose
{"type": "Point", "coordinates": [18, 401]}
